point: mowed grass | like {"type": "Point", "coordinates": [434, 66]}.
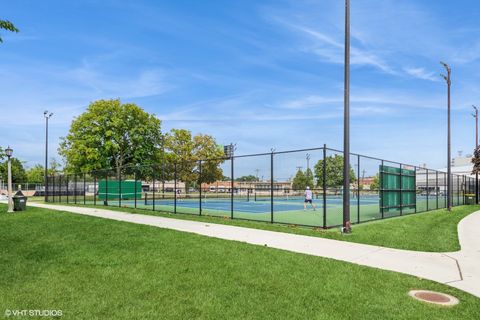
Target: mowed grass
{"type": "Point", "coordinates": [432, 231]}
{"type": "Point", "coordinates": [93, 268]}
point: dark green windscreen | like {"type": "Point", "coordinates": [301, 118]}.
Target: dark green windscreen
{"type": "Point", "coordinates": [125, 190]}
{"type": "Point", "coordinates": [397, 189]}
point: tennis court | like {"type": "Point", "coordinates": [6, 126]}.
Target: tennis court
{"type": "Point", "coordinates": [287, 209]}
{"type": "Point", "coordinates": [267, 187]}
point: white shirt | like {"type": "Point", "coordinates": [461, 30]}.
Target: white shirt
{"type": "Point", "coordinates": [308, 194]}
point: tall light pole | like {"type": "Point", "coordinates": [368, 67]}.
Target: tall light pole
{"type": "Point", "coordinates": [449, 142]}
{"type": "Point", "coordinates": [346, 126]}
{"type": "Point", "coordinates": [9, 153]}
{"type": "Point", "coordinates": [475, 115]}
{"type": "Point", "coordinates": [47, 116]}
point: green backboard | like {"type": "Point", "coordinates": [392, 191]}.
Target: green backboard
{"type": "Point", "coordinates": [397, 189]}
{"type": "Point", "coordinates": [125, 190]}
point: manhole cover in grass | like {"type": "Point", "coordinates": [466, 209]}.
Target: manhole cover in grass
{"type": "Point", "coordinates": [434, 297]}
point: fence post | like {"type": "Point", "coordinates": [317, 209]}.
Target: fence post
{"type": "Point", "coordinates": [427, 188]}
{"type": "Point", "coordinates": [84, 188]}
{"type": "Point", "coordinates": [324, 186]}
{"type": "Point", "coordinates": [105, 201]}
{"type": "Point", "coordinates": [415, 186]}
{"type": "Point", "coordinates": [175, 188]}
{"type": "Point", "coordinates": [381, 190]}
{"type": "Point", "coordinates": [436, 186]}
{"type": "Point", "coordinates": [60, 193]}
{"type": "Point", "coordinates": [53, 188]}
{"type": "Point", "coordinates": [271, 187]}
{"type": "Point", "coordinates": [68, 191]}
{"type": "Point", "coordinates": [45, 188]}
{"type": "Point", "coordinates": [75, 188]}
{"type": "Point", "coordinates": [445, 188]}
{"type": "Point", "coordinates": [401, 190]}
{"type": "Point", "coordinates": [135, 185]}
{"type": "Point", "coordinates": [94, 188]}
{"type": "Point", "coordinates": [154, 180]}
{"type": "Point", "coordinates": [231, 186]}
{"type": "Point", "coordinates": [163, 180]}
{"type": "Point", "coordinates": [200, 189]}
{"type": "Point", "coordinates": [358, 188]}
{"type": "Point", "coordinates": [458, 190]}
{"type": "Point", "coordinates": [119, 177]}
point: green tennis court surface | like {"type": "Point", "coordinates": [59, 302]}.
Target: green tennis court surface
{"type": "Point", "coordinates": [286, 209]}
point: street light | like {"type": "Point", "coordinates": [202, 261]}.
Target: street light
{"type": "Point", "coordinates": [475, 115]}
{"type": "Point", "coordinates": [346, 126]}
{"type": "Point", "coordinates": [449, 144]}
{"type": "Point", "coordinates": [47, 116]}
{"type": "Point", "coordinates": [9, 153]}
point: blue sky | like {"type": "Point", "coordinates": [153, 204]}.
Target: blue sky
{"type": "Point", "coordinates": [263, 74]}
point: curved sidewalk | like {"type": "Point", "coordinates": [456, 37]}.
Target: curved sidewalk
{"type": "Point", "coordinates": [457, 269]}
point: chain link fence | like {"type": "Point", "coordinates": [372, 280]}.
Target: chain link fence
{"type": "Point", "coordinates": [267, 187]}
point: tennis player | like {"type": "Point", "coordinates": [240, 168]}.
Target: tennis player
{"type": "Point", "coordinates": [308, 198]}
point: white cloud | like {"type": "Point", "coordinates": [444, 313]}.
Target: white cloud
{"type": "Point", "coordinates": [143, 84]}
{"type": "Point", "coordinates": [332, 50]}
{"type": "Point", "coordinates": [421, 73]}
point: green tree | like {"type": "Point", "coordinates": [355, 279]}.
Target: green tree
{"type": "Point", "coordinates": [110, 134]}
{"type": "Point", "coordinates": [18, 172]}
{"type": "Point", "coordinates": [36, 174]}
{"type": "Point", "coordinates": [54, 167]}
{"type": "Point", "coordinates": [309, 179]}
{"type": "Point", "coordinates": [303, 179]}
{"type": "Point", "coordinates": [476, 161]}
{"type": "Point", "coordinates": [7, 25]}
{"type": "Point", "coordinates": [299, 181]}
{"type": "Point", "coordinates": [184, 151]}
{"type": "Point", "coordinates": [334, 174]}
{"type": "Point", "coordinates": [249, 178]}
{"type": "Point", "coordinates": [375, 185]}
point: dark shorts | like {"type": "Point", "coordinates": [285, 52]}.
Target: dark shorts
{"type": "Point", "coordinates": [308, 200]}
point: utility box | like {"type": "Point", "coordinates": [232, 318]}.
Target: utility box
{"type": "Point", "coordinates": [19, 201]}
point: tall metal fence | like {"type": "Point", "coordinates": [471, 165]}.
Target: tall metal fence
{"type": "Point", "coordinates": [262, 187]}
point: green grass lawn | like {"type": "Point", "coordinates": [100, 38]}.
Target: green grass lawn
{"type": "Point", "coordinates": [433, 231]}
{"type": "Point", "coordinates": [97, 268]}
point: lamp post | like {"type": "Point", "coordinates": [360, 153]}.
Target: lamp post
{"type": "Point", "coordinates": [346, 126]}
{"type": "Point", "coordinates": [9, 153]}
{"type": "Point", "coordinates": [449, 144]}
{"type": "Point", "coordinates": [475, 115]}
{"type": "Point", "coordinates": [47, 116]}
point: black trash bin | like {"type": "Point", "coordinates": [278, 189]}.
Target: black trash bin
{"type": "Point", "coordinates": [19, 201]}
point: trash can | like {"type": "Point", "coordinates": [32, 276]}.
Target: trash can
{"type": "Point", "coordinates": [19, 201]}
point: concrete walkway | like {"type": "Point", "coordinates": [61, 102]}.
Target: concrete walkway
{"type": "Point", "coordinates": [457, 269]}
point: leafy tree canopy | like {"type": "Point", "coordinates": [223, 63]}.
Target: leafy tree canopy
{"type": "Point", "coordinates": [303, 179]}
{"type": "Point", "coordinates": [334, 174]}
{"type": "Point", "coordinates": [110, 134]}
{"type": "Point", "coordinates": [18, 172]}
{"type": "Point", "coordinates": [476, 161]}
{"type": "Point", "coordinates": [375, 185]}
{"type": "Point", "coordinates": [249, 178]}
{"type": "Point", "coordinates": [36, 174]}
{"type": "Point", "coordinates": [299, 181]}
{"type": "Point", "coordinates": [186, 150]}
{"type": "Point", "coordinates": [7, 25]}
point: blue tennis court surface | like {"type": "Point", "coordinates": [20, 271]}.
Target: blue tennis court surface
{"type": "Point", "coordinates": [260, 206]}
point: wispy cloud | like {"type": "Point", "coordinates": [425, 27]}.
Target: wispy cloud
{"type": "Point", "coordinates": [421, 73]}
{"type": "Point", "coordinates": [143, 84]}
{"type": "Point", "coordinates": [331, 50]}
